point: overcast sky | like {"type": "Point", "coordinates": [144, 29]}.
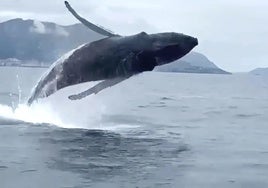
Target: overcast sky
{"type": "Point", "coordinates": [232, 33]}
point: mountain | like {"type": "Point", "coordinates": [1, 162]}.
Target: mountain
{"type": "Point", "coordinates": [260, 71]}
{"type": "Point", "coordinates": [192, 63]}
{"type": "Point", "coordinates": [31, 40]}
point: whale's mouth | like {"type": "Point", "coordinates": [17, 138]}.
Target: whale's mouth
{"type": "Point", "coordinates": [168, 54]}
{"type": "Point", "coordinates": [167, 50]}
{"type": "Point", "coordinates": [172, 52]}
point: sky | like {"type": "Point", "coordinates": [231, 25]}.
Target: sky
{"type": "Point", "coordinates": [232, 34]}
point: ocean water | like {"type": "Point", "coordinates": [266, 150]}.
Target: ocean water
{"type": "Point", "coordinates": [153, 130]}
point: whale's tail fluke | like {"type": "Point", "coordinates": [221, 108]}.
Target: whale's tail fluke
{"type": "Point", "coordinates": [88, 24]}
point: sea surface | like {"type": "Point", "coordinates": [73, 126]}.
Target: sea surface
{"type": "Point", "coordinates": [152, 130]}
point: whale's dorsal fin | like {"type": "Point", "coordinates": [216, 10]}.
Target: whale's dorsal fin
{"type": "Point", "coordinates": [97, 88]}
{"type": "Point", "coordinates": [90, 25]}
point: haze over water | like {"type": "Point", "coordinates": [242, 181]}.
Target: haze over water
{"type": "Point", "coordinates": [153, 130]}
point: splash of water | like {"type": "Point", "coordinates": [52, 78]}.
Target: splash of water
{"type": "Point", "coordinates": [34, 114]}
{"type": "Point", "coordinates": [59, 110]}
{"type": "Point", "coordinates": [19, 88]}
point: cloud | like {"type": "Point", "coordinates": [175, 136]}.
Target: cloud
{"type": "Point", "coordinates": [39, 27]}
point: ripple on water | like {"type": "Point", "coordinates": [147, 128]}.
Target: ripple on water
{"type": "Point", "coordinates": [99, 155]}
{"type": "Point", "coordinates": [167, 99]}
{"type": "Point", "coordinates": [193, 120]}
{"type": "Point", "coordinates": [157, 104]}
{"type": "Point", "coordinates": [264, 107]}
{"type": "Point", "coordinates": [260, 166]}
{"type": "Point", "coordinates": [247, 115]}
{"type": "Point", "coordinates": [213, 112]}
{"type": "Point", "coordinates": [160, 106]}
{"type": "Point", "coordinates": [3, 167]}
{"type": "Point", "coordinates": [232, 107]}
{"type": "Point", "coordinates": [243, 98]}
{"type": "Point", "coordinates": [27, 171]}
{"type": "Point", "coordinates": [143, 106]}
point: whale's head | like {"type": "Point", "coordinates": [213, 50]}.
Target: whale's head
{"type": "Point", "coordinates": [161, 48]}
{"type": "Point", "coordinates": [168, 47]}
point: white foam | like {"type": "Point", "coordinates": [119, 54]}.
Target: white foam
{"type": "Point", "coordinates": [61, 111]}
{"type": "Point", "coordinates": [34, 114]}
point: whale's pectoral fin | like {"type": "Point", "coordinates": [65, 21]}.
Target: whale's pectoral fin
{"type": "Point", "coordinates": [88, 24]}
{"type": "Point", "coordinates": [97, 88]}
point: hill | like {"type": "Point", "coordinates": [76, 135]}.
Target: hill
{"type": "Point", "coordinates": [192, 63]}
{"type": "Point", "coordinates": [31, 40]}
{"type": "Point", "coordinates": [260, 71]}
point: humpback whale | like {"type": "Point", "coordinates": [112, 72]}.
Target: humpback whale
{"type": "Point", "coordinates": [111, 60]}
